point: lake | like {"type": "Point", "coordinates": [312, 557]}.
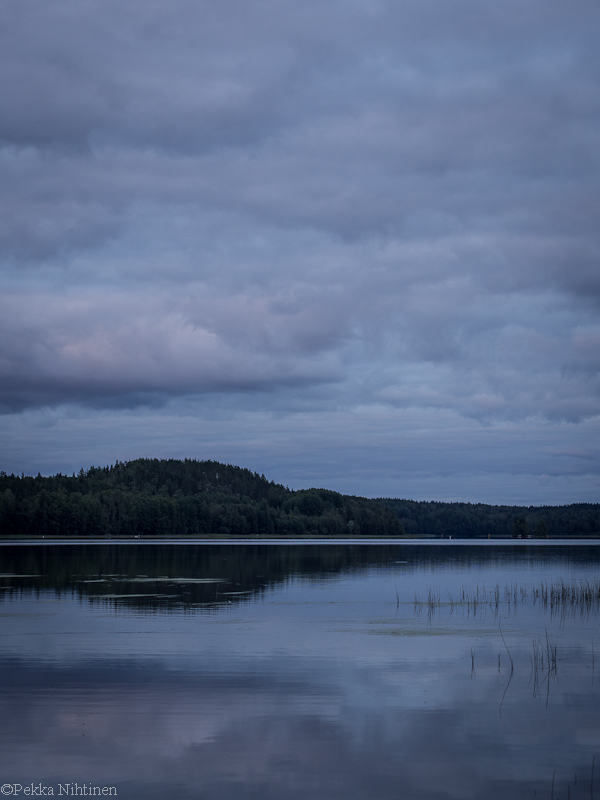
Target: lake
{"type": "Point", "coordinates": [308, 670]}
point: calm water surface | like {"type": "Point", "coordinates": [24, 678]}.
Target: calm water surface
{"type": "Point", "coordinates": [297, 671]}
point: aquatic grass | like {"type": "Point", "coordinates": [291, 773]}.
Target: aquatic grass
{"type": "Point", "coordinates": [575, 783]}
{"type": "Point", "coordinates": [512, 667]}
{"type": "Point", "coordinates": [560, 598]}
{"type": "Point", "coordinates": [544, 661]}
{"type": "Point", "coordinates": [581, 597]}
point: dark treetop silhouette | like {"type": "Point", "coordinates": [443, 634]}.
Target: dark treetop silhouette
{"type": "Point", "coordinates": [172, 498]}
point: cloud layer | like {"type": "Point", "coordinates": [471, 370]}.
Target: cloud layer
{"type": "Point", "coordinates": [329, 206]}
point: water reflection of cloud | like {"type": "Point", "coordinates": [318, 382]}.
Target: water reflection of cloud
{"type": "Point", "coordinates": [292, 728]}
{"type": "Point", "coordinates": [325, 688]}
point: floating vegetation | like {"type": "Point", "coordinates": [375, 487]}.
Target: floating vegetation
{"type": "Point", "coordinates": [130, 596]}
{"type": "Point", "coordinates": [15, 575]}
{"type": "Point", "coordinates": [161, 579]}
{"type": "Point", "coordinates": [165, 579]}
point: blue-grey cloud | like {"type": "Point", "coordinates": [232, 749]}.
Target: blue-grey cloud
{"type": "Point", "coordinates": [333, 206]}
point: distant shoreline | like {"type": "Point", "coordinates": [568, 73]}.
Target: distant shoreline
{"type": "Point", "coordinates": [446, 542]}
{"type": "Point", "coordinates": [190, 499]}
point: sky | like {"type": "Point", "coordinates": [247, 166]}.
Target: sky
{"type": "Point", "coordinates": [346, 244]}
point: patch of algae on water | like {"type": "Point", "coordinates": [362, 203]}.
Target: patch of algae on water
{"type": "Point", "coordinates": [430, 631]}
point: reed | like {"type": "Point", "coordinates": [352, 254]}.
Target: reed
{"type": "Point", "coordinates": [581, 597]}
{"type": "Point", "coordinates": [560, 598]}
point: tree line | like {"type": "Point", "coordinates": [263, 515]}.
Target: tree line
{"type": "Point", "coordinates": [478, 520]}
{"type": "Point", "coordinates": [180, 498]}
{"type": "Point", "coordinates": [173, 498]}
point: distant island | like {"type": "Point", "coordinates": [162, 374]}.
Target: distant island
{"type": "Point", "coordinates": [189, 498]}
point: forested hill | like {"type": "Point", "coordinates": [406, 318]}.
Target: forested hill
{"type": "Point", "coordinates": [151, 497]}
{"type": "Point", "coordinates": [477, 520]}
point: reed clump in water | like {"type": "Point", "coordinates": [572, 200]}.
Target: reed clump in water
{"type": "Point", "coordinates": [561, 596]}
{"type": "Point", "coordinates": [580, 596]}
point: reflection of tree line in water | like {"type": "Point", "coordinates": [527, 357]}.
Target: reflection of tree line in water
{"type": "Point", "coordinates": [171, 572]}
{"type": "Point", "coordinates": [147, 575]}
{"type": "Point", "coordinates": [154, 576]}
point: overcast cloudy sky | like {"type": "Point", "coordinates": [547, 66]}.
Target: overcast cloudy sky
{"type": "Point", "coordinates": [346, 243]}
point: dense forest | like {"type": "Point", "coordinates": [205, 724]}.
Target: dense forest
{"type": "Point", "coordinates": [477, 520]}
{"type": "Point", "coordinates": [169, 498]}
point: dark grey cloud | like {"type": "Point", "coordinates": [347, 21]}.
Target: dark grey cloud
{"type": "Point", "coordinates": [334, 205]}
